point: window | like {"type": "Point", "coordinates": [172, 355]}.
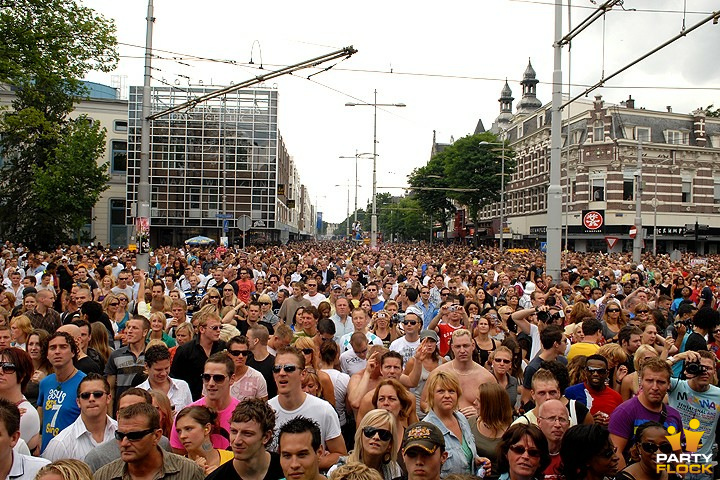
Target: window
{"type": "Point", "coordinates": [598, 131]}
{"type": "Point", "coordinates": [628, 185]}
{"type": "Point", "coordinates": [575, 137]}
{"type": "Point", "coordinates": [642, 134]}
{"type": "Point", "coordinates": [686, 189]}
{"type": "Point", "coordinates": [119, 157]}
{"type": "Point", "coordinates": [120, 126]}
{"type": "Point", "coordinates": [597, 188]}
{"type": "Point", "coordinates": [118, 230]}
{"type": "Point", "coordinates": [676, 137]}
{"type": "Point", "coordinates": [716, 192]}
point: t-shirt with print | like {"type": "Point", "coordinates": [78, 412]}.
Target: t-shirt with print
{"type": "Point", "coordinates": [445, 331]}
{"type": "Point", "coordinates": [371, 337]}
{"type": "Point", "coordinates": [350, 363]}
{"type": "Point", "coordinates": [58, 401]}
{"type": "Point", "coordinates": [251, 385]}
{"type": "Point", "coordinates": [220, 437]}
{"type": "Point", "coordinates": [405, 348]}
{"type": "Point", "coordinates": [700, 405]}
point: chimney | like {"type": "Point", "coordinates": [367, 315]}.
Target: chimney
{"type": "Point", "coordinates": [630, 102]}
{"type": "Point", "coordinates": [699, 127]}
{"type": "Point", "coordinates": [669, 108]}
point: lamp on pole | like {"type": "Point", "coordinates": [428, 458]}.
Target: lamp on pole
{"type": "Point", "coordinates": [356, 156]}
{"type": "Point", "coordinates": [502, 191]}
{"type": "Point", "coordinates": [373, 218]}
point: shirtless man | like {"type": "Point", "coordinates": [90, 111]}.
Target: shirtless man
{"type": "Point", "coordinates": [366, 379]}
{"type": "Point", "coordinates": [391, 367]}
{"type": "Point", "coordinates": [470, 374]}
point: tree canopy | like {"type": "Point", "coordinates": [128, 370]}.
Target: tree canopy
{"type": "Point", "coordinates": [50, 178]}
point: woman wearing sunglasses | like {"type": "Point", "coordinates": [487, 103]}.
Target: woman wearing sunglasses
{"type": "Point", "coordinates": [16, 369]}
{"type": "Point", "coordinates": [501, 368]}
{"type": "Point", "coordinates": [588, 454]}
{"type": "Point", "coordinates": [649, 441]}
{"type": "Point", "coordinates": [522, 453]}
{"type": "Point", "coordinates": [375, 445]}
{"type": "Point", "coordinates": [193, 426]}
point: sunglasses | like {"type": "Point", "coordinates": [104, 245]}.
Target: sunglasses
{"type": "Point", "coordinates": [8, 367]}
{"type": "Point", "coordinates": [613, 311]}
{"type": "Point", "coordinates": [716, 331]}
{"type": "Point", "coordinates": [215, 296]}
{"type": "Point", "coordinates": [217, 377]}
{"type": "Point", "coordinates": [133, 436]}
{"type": "Point", "coordinates": [265, 303]}
{"type": "Point", "coordinates": [410, 322]}
{"type": "Point", "coordinates": [650, 447]}
{"type": "Point", "coordinates": [287, 368]}
{"type": "Point", "coordinates": [599, 371]}
{"type": "Point", "coordinates": [123, 300]}
{"type": "Point", "coordinates": [113, 304]}
{"type": "Point", "coordinates": [642, 311]}
{"type": "Point", "coordinates": [385, 435]}
{"type": "Point", "coordinates": [608, 452]}
{"type": "Point", "coordinates": [236, 353]}
{"type": "Point", "coordinates": [308, 351]}
{"type": "Point", "coordinates": [214, 327]}
{"type": "Point", "coordinates": [96, 394]}
{"type": "Point", "coordinates": [502, 360]}
{"type": "Point", "coordinates": [520, 450]}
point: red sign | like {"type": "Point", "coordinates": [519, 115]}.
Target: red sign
{"type": "Point", "coordinates": [633, 231]}
{"type": "Point", "coordinates": [611, 241]}
{"type": "Point", "coordinates": [593, 220]}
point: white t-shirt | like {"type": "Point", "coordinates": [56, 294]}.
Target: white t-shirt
{"type": "Point", "coordinates": [371, 337]}
{"type": "Point", "coordinates": [405, 348]}
{"type": "Point", "coordinates": [340, 382]}
{"type": "Point", "coordinates": [350, 363]}
{"type": "Point", "coordinates": [315, 300]}
{"type": "Point", "coordinates": [250, 385]}
{"type": "Point", "coordinates": [29, 421]}
{"type": "Point", "coordinates": [313, 408]}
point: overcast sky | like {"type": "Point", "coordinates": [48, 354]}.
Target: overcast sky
{"type": "Point", "coordinates": [446, 61]}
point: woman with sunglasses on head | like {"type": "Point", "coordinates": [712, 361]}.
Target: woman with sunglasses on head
{"type": "Point", "coordinates": [649, 441]}
{"type": "Point", "coordinates": [306, 345]}
{"type": "Point", "coordinates": [375, 445]}
{"type": "Point", "coordinates": [15, 371]}
{"type": "Point", "coordinates": [522, 453]}
{"type": "Point", "coordinates": [193, 426]}
{"type": "Point", "coordinates": [588, 454]}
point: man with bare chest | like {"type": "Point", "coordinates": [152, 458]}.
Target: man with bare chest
{"type": "Point", "coordinates": [470, 374]}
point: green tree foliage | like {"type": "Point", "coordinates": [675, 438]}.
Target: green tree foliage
{"type": "Point", "coordinates": [711, 111]}
{"type": "Point", "coordinates": [435, 203]}
{"type": "Point", "coordinates": [50, 179]}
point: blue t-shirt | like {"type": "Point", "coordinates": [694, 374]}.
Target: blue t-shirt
{"type": "Point", "coordinates": [59, 404]}
{"type": "Point", "coordinates": [701, 405]}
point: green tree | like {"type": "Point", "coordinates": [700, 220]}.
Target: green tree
{"type": "Point", "coordinates": [50, 178]}
{"type": "Point", "coordinates": [435, 203]}
{"type": "Point", "coordinates": [473, 164]}
{"type": "Point", "coordinates": [712, 113]}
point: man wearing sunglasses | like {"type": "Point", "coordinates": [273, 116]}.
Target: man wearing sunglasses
{"type": "Point", "coordinates": [600, 399]}
{"type": "Point", "coordinates": [408, 343]}
{"type": "Point", "coordinates": [249, 383]}
{"type": "Point", "coordinates": [190, 358]}
{"type": "Point", "coordinates": [292, 402]}
{"type": "Point", "coordinates": [91, 428]}
{"type": "Point", "coordinates": [217, 377]}
{"type": "Point", "coordinates": [138, 435]}
{"type": "Point", "coordinates": [696, 397]}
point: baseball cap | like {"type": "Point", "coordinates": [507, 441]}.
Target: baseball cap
{"type": "Point", "coordinates": [431, 334]}
{"type": "Point", "coordinates": [423, 435]}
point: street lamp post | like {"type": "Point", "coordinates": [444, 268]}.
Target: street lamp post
{"type": "Point", "coordinates": [502, 192]}
{"type": "Point", "coordinates": [356, 156]}
{"type": "Point", "coordinates": [373, 218]}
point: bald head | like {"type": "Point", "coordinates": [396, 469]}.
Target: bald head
{"type": "Point", "coordinates": [73, 330]}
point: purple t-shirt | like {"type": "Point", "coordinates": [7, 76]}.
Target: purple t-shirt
{"type": "Point", "coordinates": [631, 414]}
{"type": "Point", "coordinates": [219, 438]}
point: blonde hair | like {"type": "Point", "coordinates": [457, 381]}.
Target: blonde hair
{"type": "Point", "coordinates": [355, 471]}
{"type": "Point", "coordinates": [640, 353]}
{"type": "Point", "coordinates": [307, 342]}
{"type": "Point", "coordinates": [67, 468]}
{"type": "Point", "coordinates": [613, 353]}
{"type": "Point", "coordinates": [442, 379]}
{"type": "Point", "coordinates": [374, 418]}
{"type": "Point", "coordinates": [461, 332]}
{"type": "Point", "coordinates": [23, 323]}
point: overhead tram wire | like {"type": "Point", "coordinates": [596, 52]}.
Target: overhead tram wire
{"type": "Point", "coordinates": [639, 10]}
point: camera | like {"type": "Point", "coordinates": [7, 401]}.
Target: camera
{"type": "Point", "coordinates": [694, 368]}
{"type": "Point", "coordinates": [547, 317]}
{"type": "Point", "coordinates": [397, 318]}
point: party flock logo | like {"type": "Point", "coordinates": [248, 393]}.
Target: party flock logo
{"type": "Point", "coordinates": [689, 461]}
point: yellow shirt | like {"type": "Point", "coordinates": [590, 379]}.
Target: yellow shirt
{"type": "Point", "coordinates": [582, 348]}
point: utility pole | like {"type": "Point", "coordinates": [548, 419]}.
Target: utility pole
{"type": "Point", "coordinates": [142, 206]}
{"type": "Point", "coordinates": [638, 241]}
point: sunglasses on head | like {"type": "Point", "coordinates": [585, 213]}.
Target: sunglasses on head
{"type": "Point", "coordinates": [96, 394]}
{"type": "Point", "coordinates": [287, 368]}
{"type": "Point", "coordinates": [520, 450]}
{"type": "Point", "coordinates": [216, 377]}
{"type": "Point", "coordinates": [133, 436]}
{"type": "Point", "coordinates": [385, 435]}
{"type": "Point", "coordinates": [650, 447]}
{"type": "Point", "coordinates": [236, 353]}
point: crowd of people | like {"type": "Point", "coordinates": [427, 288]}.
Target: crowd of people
{"type": "Point", "coordinates": [336, 360]}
